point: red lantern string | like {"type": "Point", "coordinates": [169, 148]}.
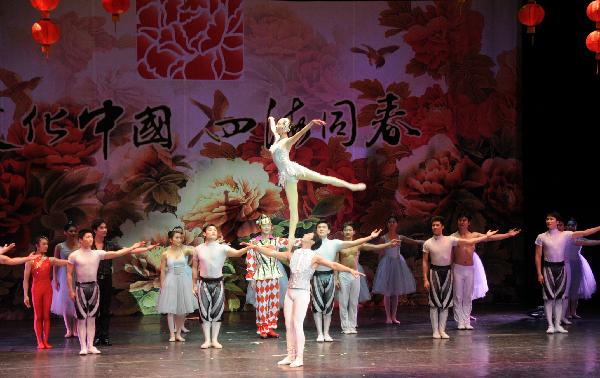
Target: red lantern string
{"type": "Point", "coordinates": [593, 12]}
{"type": "Point", "coordinates": [116, 8]}
{"type": "Point", "coordinates": [46, 33]}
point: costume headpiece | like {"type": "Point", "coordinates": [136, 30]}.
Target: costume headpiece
{"type": "Point", "coordinates": [263, 219]}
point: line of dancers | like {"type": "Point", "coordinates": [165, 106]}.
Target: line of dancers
{"type": "Point", "coordinates": [448, 271]}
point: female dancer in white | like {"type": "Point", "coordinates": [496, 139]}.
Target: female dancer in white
{"type": "Point", "coordinates": [290, 172]}
{"type": "Point", "coordinates": [61, 303]}
{"type": "Point", "coordinates": [303, 263]}
{"type": "Point", "coordinates": [176, 297]}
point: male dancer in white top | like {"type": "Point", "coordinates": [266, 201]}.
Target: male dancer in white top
{"type": "Point", "coordinates": [462, 269]}
{"type": "Point", "coordinates": [322, 283]}
{"type": "Point", "coordinates": [437, 277]}
{"type": "Point", "coordinates": [86, 294]}
{"type": "Point", "coordinates": [209, 258]}
{"type": "Point", "coordinates": [551, 272]}
{"type": "Point", "coordinates": [348, 284]}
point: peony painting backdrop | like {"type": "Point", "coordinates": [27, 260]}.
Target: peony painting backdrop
{"type": "Point", "coordinates": [160, 121]}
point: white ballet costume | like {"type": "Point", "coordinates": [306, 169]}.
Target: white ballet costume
{"type": "Point", "coordinates": [288, 170]}
{"type": "Point", "coordinates": [62, 304]}
{"type": "Point", "coordinates": [297, 299]}
{"type": "Point", "coordinates": [480, 285]}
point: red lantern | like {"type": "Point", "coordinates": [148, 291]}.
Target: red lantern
{"type": "Point", "coordinates": [592, 42]}
{"type": "Point", "coordinates": [45, 32]}
{"type": "Point", "coordinates": [531, 15]}
{"type": "Point", "coordinates": [45, 6]}
{"type": "Point", "coordinates": [116, 8]}
{"type": "Point", "coordinates": [593, 12]}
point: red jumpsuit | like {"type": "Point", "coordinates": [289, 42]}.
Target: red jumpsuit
{"type": "Point", "coordinates": [41, 293]}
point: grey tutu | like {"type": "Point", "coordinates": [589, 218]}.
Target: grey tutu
{"type": "Point", "coordinates": [176, 296]}
{"type": "Point", "coordinates": [393, 277]}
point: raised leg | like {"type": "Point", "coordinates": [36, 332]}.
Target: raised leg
{"type": "Point", "coordinates": [329, 180]}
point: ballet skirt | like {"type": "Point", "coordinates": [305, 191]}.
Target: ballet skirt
{"type": "Point", "coordinates": [583, 283]}
{"type": "Point", "coordinates": [480, 286]}
{"type": "Point", "coordinates": [364, 295]}
{"type": "Point", "coordinates": [62, 304]}
{"type": "Point", "coordinates": [283, 284]}
{"type": "Point", "coordinates": [393, 276]}
{"type": "Point", "coordinates": [176, 295]}
{"type": "Point", "coordinates": [288, 170]}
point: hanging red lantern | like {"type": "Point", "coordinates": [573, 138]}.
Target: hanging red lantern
{"type": "Point", "coordinates": [593, 12]}
{"type": "Point", "coordinates": [116, 8]}
{"type": "Point", "coordinates": [45, 6]}
{"type": "Point", "coordinates": [531, 15]}
{"type": "Point", "coordinates": [46, 33]}
{"type": "Point", "coordinates": [592, 42]}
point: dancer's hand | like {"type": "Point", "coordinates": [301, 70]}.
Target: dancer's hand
{"type": "Point", "coordinates": [426, 284]}
{"type": "Point", "coordinates": [26, 302]}
{"type": "Point", "coordinates": [271, 118]}
{"type": "Point", "coordinates": [337, 284]}
{"type": "Point", "coordinates": [395, 242]}
{"type": "Point", "coordinates": [541, 279]}
{"type": "Point", "coordinates": [57, 285]}
{"type": "Point", "coordinates": [195, 289]}
{"type": "Point", "coordinates": [72, 295]}
{"type": "Point", "coordinates": [317, 122]}
{"type": "Point", "coordinates": [490, 233]}
{"type": "Point", "coordinates": [514, 231]}
{"type": "Point", "coordinates": [356, 273]}
{"type": "Point", "coordinates": [375, 233]}
{"type": "Point", "coordinates": [252, 284]}
{"type": "Point", "coordinates": [6, 248]}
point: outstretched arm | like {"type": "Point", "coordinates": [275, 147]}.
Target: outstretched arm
{"type": "Point", "coordinates": [354, 243]}
{"type": "Point", "coordinates": [271, 121]}
{"type": "Point", "coordinates": [584, 233]}
{"type": "Point", "coordinates": [296, 137]}
{"type": "Point", "coordinates": [6, 248]}
{"type": "Point", "coordinates": [5, 260]}
{"type": "Point", "coordinates": [477, 239]}
{"type": "Point", "coordinates": [269, 251]}
{"type": "Point", "coordinates": [512, 232]}
{"type": "Point", "coordinates": [236, 252]}
{"type": "Point", "coordinates": [367, 247]}
{"type": "Point", "coordinates": [58, 262]}
{"type": "Point", "coordinates": [320, 260]}
{"type": "Point", "coordinates": [587, 243]}
{"type": "Point", "coordinates": [135, 248]}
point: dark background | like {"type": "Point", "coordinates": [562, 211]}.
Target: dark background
{"type": "Point", "coordinates": [560, 115]}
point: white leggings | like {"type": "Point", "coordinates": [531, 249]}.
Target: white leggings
{"type": "Point", "coordinates": [294, 310]}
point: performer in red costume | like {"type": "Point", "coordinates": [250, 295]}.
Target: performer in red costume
{"type": "Point", "coordinates": [41, 290]}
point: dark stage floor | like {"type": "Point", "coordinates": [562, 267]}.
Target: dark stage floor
{"type": "Point", "coordinates": [504, 343]}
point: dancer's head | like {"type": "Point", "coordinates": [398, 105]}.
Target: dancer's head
{"type": "Point", "coordinates": [552, 219]}
{"type": "Point", "coordinates": [264, 222]}
{"type": "Point", "coordinates": [86, 238]}
{"type": "Point", "coordinates": [392, 223]}
{"type": "Point", "coordinates": [210, 232]}
{"type": "Point", "coordinates": [437, 225]}
{"type": "Point", "coordinates": [464, 220]}
{"type": "Point", "coordinates": [41, 244]}
{"type": "Point", "coordinates": [176, 236]}
{"type": "Point", "coordinates": [348, 231]}
{"type": "Point", "coordinates": [99, 228]}
{"type": "Point", "coordinates": [572, 225]}
{"type": "Point", "coordinates": [311, 240]}
{"type": "Point", "coordinates": [283, 126]}
{"type": "Point", "coordinates": [70, 230]}
{"type": "Point", "coordinates": [323, 229]}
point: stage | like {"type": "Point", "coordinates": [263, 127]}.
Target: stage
{"type": "Point", "coordinates": [504, 343]}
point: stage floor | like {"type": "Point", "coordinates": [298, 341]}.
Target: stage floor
{"type": "Point", "coordinates": [504, 343]}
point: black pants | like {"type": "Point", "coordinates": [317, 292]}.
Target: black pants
{"type": "Point", "coordinates": [103, 317]}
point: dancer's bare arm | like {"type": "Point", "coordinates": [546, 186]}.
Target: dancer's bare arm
{"type": "Point", "coordinates": [538, 263]}
{"type": "Point", "coordinates": [26, 275]}
{"type": "Point", "coordinates": [271, 121]}
{"type": "Point", "coordinates": [70, 269]}
{"type": "Point", "coordinates": [270, 251]}
{"type": "Point", "coordinates": [367, 247]}
{"type": "Point", "coordinates": [55, 267]}
{"type": "Point", "coordinates": [320, 260]}
{"type": "Point", "coordinates": [354, 243]}
{"type": "Point", "coordinates": [296, 137]}
{"type": "Point", "coordinates": [584, 233]}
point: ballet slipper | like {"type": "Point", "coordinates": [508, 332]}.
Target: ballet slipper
{"type": "Point", "coordinates": [206, 345]}
{"type": "Point", "coordinates": [94, 350]}
{"type": "Point", "coordinates": [216, 345]}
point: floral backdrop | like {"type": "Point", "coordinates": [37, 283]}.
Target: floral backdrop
{"type": "Point", "coordinates": [159, 121]}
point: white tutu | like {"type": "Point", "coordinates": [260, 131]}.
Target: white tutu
{"type": "Point", "coordinates": [283, 284]}
{"type": "Point", "coordinates": [583, 283]}
{"type": "Point", "coordinates": [364, 295]}
{"type": "Point", "coordinates": [176, 295]}
{"type": "Point", "coordinates": [62, 304]}
{"type": "Point", "coordinates": [480, 286]}
{"type": "Point", "coordinates": [288, 170]}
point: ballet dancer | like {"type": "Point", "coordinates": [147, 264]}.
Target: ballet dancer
{"type": "Point", "coordinates": [463, 269]}
{"type": "Point", "coordinates": [62, 305]}
{"type": "Point", "coordinates": [290, 172]}
{"type": "Point", "coordinates": [349, 286]}
{"type": "Point", "coordinates": [393, 277]}
{"type": "Point", "coordinates": [303, 262]}
{"type": "Point", "coordinates": [583, 283]}
{"type": "Point", "coordinates": [437, 276]}
{"type": "Point", "coordinates": [188, 271]}
{"type": "Point", "coordinates": [323, 282]}
{"type": "Point", "coordinates": [41, 290]}
{"type": "Point", "coordinates": [551, 271]}
{"type": "Point", "coordinates": [86, 292]}
{"type": "Point", "coordinates": [209, 258]}
{"type": "Point", "coordinates": [176, 298]}
{"type": "Point", "coordinates": [5, 260]}
{"type": "Point", "coordinates": [265, 276]}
